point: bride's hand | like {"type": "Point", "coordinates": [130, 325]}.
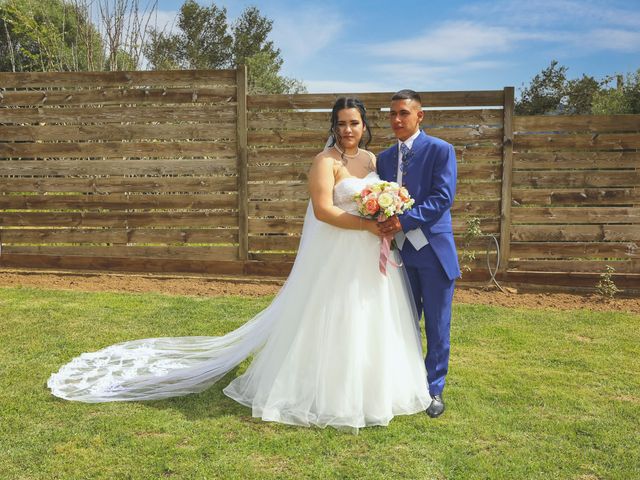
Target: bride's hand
{"type": "Point", "coordinates": [371, 226]}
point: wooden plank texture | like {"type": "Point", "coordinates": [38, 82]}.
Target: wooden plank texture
{"type": "Point", "coordinates": [568, 159]}
{"type": "Point", "coordinates": [119, 202]}
{"type": "Point", "coordinates": [576, 178]}
{"type": "Point", "coordinates": [118, 219]}
{"type": "Point", "coordinates": [576, 196]}
{"type": "Point", "coordinates": [116, 96]}
{"type": "Point", "coordinates": [577, 123]}
{"type": "Point", "coordinates": [120, 184]}
{"type": "Point", "coordinates": [588, 141]}
{"type": "Point", "coordinates": [378, 100]}
{"type": "Point", "coordinates": [117, 79]}
{"type": "Point", "coordinates": [223, 165]}
{"type": "Point", "coordinates": [117, 150]}
{"type": "Point", "coordinates": [117, 236]}
{"type": "Point", "coordinates": [215, 114]}
{"type": "Point", "coordinates": [566, 215]}
{"type": "Point", "coordinates": [117, 132]}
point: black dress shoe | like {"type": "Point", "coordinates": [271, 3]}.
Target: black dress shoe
{"type": "Point", "coordinates": [437, 406]}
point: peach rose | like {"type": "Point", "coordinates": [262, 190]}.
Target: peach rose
{"type": "Point", "coordinates": [371, 206]}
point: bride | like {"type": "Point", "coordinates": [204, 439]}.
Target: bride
{"type": "Point", "coordinates": [339, 345]}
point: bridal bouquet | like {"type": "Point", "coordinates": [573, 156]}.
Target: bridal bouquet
{"type": "Point", "coordinates": [382, 200]}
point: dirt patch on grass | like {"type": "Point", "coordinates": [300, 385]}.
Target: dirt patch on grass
{"type": "Point", "coordinates": [217, 286]}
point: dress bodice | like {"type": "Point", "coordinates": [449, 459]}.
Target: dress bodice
{"type": "Point", "coordinates": [344, 191]}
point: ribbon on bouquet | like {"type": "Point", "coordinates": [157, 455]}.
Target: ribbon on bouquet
{"type": "Point", "coordinates": [385, 255]}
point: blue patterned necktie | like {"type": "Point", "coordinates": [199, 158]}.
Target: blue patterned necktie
{"type": "Point", "coordinates": [404, 150]}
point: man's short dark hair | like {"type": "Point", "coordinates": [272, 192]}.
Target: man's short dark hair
{"type": "Point", "coordinates": [407, 94]}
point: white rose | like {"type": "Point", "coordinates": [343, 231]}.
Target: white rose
{"type": "Point", "coordinates": [385, 200]}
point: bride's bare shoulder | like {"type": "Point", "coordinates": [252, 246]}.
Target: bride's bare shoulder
{"type": "Point", "coordinates": [372, 158]}
{"type": "Point", "coordinates": [324, 159]}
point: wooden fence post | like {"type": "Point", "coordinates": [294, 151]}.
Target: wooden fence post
{"type": "Point", "coordinates": [507, 178]}
{"type": "Point", "coordinates": [242, 158]}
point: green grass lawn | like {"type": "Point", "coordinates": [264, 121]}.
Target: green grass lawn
{"type": "Point", "coordinates": [531, 394]}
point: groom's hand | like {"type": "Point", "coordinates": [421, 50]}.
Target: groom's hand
{"type": "Point", "coordinates": [390, 226]}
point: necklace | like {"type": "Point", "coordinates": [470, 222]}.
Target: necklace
{"type": "Point", "coordinates": [346, 155]}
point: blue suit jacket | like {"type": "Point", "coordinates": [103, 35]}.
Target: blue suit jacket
{"type": "Point", "coordinates": [430, 177]}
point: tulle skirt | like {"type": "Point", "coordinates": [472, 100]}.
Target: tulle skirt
{"type": "Point", "coordinates": [339, 345]}
{"type": "Point", "coordinates": [345, 349]}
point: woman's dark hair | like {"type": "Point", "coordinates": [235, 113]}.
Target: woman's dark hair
{"type": "Point", "coordinates": [341, 104]}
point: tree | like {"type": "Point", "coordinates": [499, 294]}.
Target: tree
{"type": "Point", "coordinates": [580, 93]}
{"type": "Point", "coordinates": [47, 35]}
{"type": "Point", "coordinates": [623, 98]}
{"type": "Point", "coordinates": [206, 40]}
{"type": "Point", "coordinates": [264, 76]}
{"type": "Point", "coordinates": [551, 92]}
{"type": "Point", "coordinates": [544, 93]}
{"type": "Point", "coordinates": [250, 32]}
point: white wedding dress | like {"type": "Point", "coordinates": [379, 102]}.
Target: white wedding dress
{"type": "Point", "coordinates": [339, 345]}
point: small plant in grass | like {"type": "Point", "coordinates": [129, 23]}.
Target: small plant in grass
{"type": "Point", "coordinates": [473, 231]}
{"type": "Point", "coordinates": [606, 286]}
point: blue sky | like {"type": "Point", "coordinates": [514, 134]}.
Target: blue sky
{"type": "Point", "coordinates": [429, 45]}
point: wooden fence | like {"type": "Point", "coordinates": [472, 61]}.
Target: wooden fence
{"type": "Point", "coordinates": [183, 171]}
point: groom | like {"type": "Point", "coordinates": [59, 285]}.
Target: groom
{"type": "Point", "coordinates": [426, 166]}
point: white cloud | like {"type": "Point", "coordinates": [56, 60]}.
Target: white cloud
{"type": "Point", "coordinates": [454, 42]}
{"type": "Point", "coordinates": [552, 13]}
{"type": "Point", "coordinates": [165, 21]}
{"type": "Point", "coordinates": [432, 76]}
{"type": "Point", "coordinates": [302, 33]}
{"type": "Point", "coordinates": [332, 86]}
{"type": "Point", "coordinates": [611, 39]}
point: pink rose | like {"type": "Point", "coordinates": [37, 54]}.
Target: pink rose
{"type": "Point", "coordinates": [366, 191]}
{"type": "Point", "coordinates": [371, 206]}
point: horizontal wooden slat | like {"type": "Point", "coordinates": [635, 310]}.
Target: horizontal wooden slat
{"type": "Point", "coordinates": [577, 123]}
{"type": "Point", "coordinates": [296, 120]}
{"type": "Point", "coordinates": [579, 233]}
{"type": "Point", "coordinates": [214, 114]}
{"type": "Point", "coordinates": [566, 160]}
{"type": "Point", "coordinates": [117, 149]}
{"type": "Point", "coordinates": [294, 225]}
{"type": "Point", "coordinates": [117, 79]}
{"type": "Point", "coordinates": [118, 219]}
{"type": "Point", "coordinates": [300, 172]}
{"type": "Point", "coordinates": [302, 154]}
{"type": "Point", "coordinates": [603, 141]}
{"type": "Point", "coordinates": [275, 225]}
{"type": "Point", "coordinates": [117, 132]}
{"type": "Point", "coordinates": [576, 196]}
{"type": "Point", "coordinates": [110, 96]}
{"type": "Point", "coordinates": [567, 215]}
{"type": "Point", "coordinates": [273, 242]}
{"type": "Point", "coordinates": [576, 178]}
{"type": "Point", "coordinates": [573, 249]}
{"type": "Point", "coordinates": [119, 184]}
{"type": "Point", "coordinates": [125, 264]}
{"type": "Point", "coordinates": [117, 236]}
{"type": "Point", "coordinates": [571, 279]}
{"type": "Point", "coordinates": [118, 201]}
{"type": "Point", "coordinates": [587, 266]}
{"type": "Point", "coordinates": [379, 100]}
{"type": "Point", "coordinates": [290, 242]}
{"type": "Point", "coordinates": [200, 253]}
{"type": "Point", "coordinates": [300, 191]}
{"type": "Point", "coordinates": [223, 165]}
{"type": "Point", "coordinates": [461, 135]}
{"type": "Point", "coordinates": [299, 207]}
{"type": "Point", "coordinates": [272, 258]}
